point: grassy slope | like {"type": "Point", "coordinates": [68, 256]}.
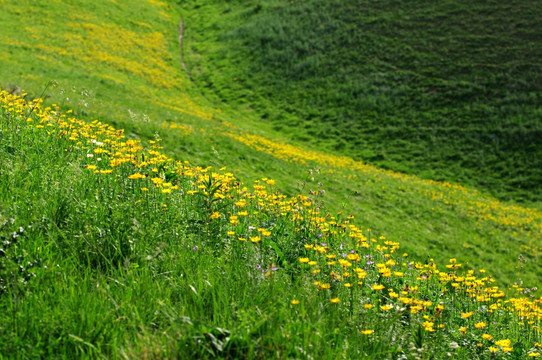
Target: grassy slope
{"type": "Point", "coordinates": [429, 219]}
{"type": "Point", "coordinates": [104, 276]}
{"type": "Point", "coordinates": [446, 90]}
{"type": "Point", "coordinates": [112, 250]}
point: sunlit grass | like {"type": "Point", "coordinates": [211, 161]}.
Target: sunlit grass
{"type": "Point", "coordinates": [191, 243]}
{"type": "Point", "coordinates": [170, 228]}
{"type": "Point", "coordinates": [432, 219]}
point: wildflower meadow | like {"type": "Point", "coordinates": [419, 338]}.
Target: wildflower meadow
{"type": "Point", "coordinates": [113, 249]}
{"type": "Point", "coordinates": [196, 180]}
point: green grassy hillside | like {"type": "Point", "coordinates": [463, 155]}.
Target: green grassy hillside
{"type": "Point", "coordinates": [113, 245]}
{"type": "Point", "coordinates": [445, 90]}
{"type": "Point", "coordinates": [110, 249]}
{"type": "Point", "coordinates": [133, 79]}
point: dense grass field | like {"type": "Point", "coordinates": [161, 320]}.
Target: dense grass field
{"type": "Point", "coordinates": [444, 90]}
{"type": "Point", "coordinates": [146, 216]}
{"type": "Point", "coordinates": [112, 249]}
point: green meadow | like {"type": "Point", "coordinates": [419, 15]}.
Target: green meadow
{"type": "Point", "coordinates": [320, 179]}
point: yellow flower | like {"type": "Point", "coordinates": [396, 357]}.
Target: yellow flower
{"type": "Point", "coordinates": [428, 324]}
{"type": "Point", "coordinates": [255, 239]}
{"type": "Point", "coordinates": [353, 257]}
{"type": "Point", "coordinates": [92, 167]}
{"type": "Point", "coordinates": [487, 337]}
{"type": "Point", "coordinates": [335, 300]}
{"type": "Point", "coordinates": [480, 325]}
{"type": "Point", "coordinates": [295, 302]}
{"type": "Point", "coordinates": [303, 260]}
{"type": "Point", "coordinates": [390, 263]}
{"type": "Point", "coordinates": [385, 307]}
{"type": "Point", "coordinates": [493, 349]}
{"type": "Point", "coordinates": [503, 343]}
{"type": "Point", "coordinates": [136, 176]}
{"type": "Point", "coordinates": [344, 263]}
{"type": "Point", "coordinates": [378, 287]}
{"type": "Point", "coordinates": [367, 332]}
{"type": "Point", "coordinates": [324, 286]}
{"type": "Point", "coordinates": [466, 315]}
{"type": "Point", "coordinates": [215, 215]}
{"type": "Point", "coordinates": [368, 306]}
{"type": "Point", "coordinates": [534, 354]}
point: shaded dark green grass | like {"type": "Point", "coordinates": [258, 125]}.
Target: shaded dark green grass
{"type": "Point", "coordinates": [447, 90]}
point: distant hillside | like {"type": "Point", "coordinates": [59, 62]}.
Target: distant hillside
{"type": "Point", "coordinates": [447, 90]}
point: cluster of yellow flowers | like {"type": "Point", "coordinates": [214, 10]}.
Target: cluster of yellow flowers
{"type": "Point", "coordinates": [183, 128]}
{"type": "Point", "coordinates": [470, 202]}
{"type": "Point", "coordinates": [341, 259]}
